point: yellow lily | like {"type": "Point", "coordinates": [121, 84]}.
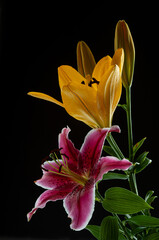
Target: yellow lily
{"type": "Point", "coordinates": [93, 98]}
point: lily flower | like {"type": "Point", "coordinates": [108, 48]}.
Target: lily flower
{"type": "Point", "coordinates": [92, 94]}
{"type": "Point", "coordinates": [73, 177]}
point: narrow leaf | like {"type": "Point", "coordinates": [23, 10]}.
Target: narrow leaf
{"type": "Point", "coordinates": [138, 145]}
{"type": "Point", "coordinates": [109, 229]}
{"type": "Point", "coordinates": [144, 221]}
{"type": "Point", "coordinates": [111, 176]}
{"type": "Point", "coordinates": [123, 106]}
{"type": "Point", "coordinates": [142, 161]}
{"type": "Point", "coordinates": [122, 201]}
{"type": "Point", "coordinates": [94, 229]}
{"type": "Point", "coordinates": [148, 195]}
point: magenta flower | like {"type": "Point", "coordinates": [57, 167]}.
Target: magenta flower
{"type": "Point", "coordinates": [72, 178]}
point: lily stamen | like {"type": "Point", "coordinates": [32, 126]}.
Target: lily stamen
{"type": "Point", "coordinates": [92, 81]}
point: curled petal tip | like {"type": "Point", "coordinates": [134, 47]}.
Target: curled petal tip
{"type": "Point", "coordinates": [115, 128]}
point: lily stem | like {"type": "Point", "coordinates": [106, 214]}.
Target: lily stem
{"type": "Point", "coordinates": [132, 176]}
{"type": "Point", "coordinates": [115, 146]}
{"type": "Point", "coordinates": [99, 196]}
{"type": "Point", "coordinates": [129, 123]}
{"type": "Point", "coordinates": [122, 227]}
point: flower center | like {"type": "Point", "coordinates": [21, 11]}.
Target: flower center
{"type": "Point", "coordinates": [90, 81]}
{"type": "Point", "coordinates": [60, 167]}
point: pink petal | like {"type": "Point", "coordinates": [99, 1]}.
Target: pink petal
{"type": "Point", "coordinates": [67, 146]}
{"type": "Point", "coordinates": [92, 147]}
{"type": "Point", "coordinates": [52, 180]}
{"type": "Point", "coordinates": [50, 195]}
{"type": "Point", "coordinates": [110, 164]}
{"type": "Point", "coordinates": [80, 206]}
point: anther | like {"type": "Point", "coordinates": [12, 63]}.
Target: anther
{"type": "Point", "coordinates": [83, 82]}
{"type": "Point", "coordinates": [45, 159]}
{"type": "Point", "coordinates": [44, 169]}
{"type": "Point", "coordinates": [93, 80]}
{"type": "Point", "coordinates": [63, 154]}
{"type": "Point", "coordinates": [60, 168]}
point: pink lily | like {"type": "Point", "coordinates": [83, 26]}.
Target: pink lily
{"type": "Point", "coordinates": [73, 178]}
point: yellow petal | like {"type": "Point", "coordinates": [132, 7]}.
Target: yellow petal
{"type": "Point", "coordinates": [116, 89]}
{"type": "Point", "coordinates": [68, 75]}
{"type": "Point", "coordinates": [101, 68]}
{"type": "Point", "coordinates": [45, 97]}
{"type": "Point", "coordinates": [118, 58]}
{"type": "Point", "coordinates": [85, 59]}
{"type": "Point", "coordinates": [77, 107]}
{"type": "Point", "coordinates": [106, 94]}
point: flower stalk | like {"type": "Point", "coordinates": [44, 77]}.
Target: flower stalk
{"type": "Point", "coordinates": [132, 176]}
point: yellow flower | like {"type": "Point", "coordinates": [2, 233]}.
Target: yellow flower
{"type": "Point", "coordinates": [93, 98]}
{"type": "Point", "coordinates": [123, 39]}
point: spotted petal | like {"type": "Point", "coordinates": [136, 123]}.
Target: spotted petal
{"type": "Point", "coordinates": [80, 206]}
{"type": "Point", "coordinates": [51, 180]}
{"type": "Point", "coordinates": [67, 147]}
{"type": "Point", "coordinates": [50, 195]}
{"type": "Point", "coordinates": [92, 147]}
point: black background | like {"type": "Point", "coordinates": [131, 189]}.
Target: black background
{"type": "Point", "coordinates": [36, 38]}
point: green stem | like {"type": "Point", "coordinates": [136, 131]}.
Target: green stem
{"type": "Point", "coordinates": [122, 227]}
{"type": "Point", "coordinates": [115, 146]}
{"type": "Point", "coordinates": [132, 176]}
{"type": "Point", "coordinates": [129, 123]}
{"type": "Point", "coordinates": [98, 195]}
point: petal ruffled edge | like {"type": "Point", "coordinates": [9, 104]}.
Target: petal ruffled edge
{"type": "Point", "coordinates": [50, 195]}
{"type": "Point", "coordinates": [67, 147]}
{"type": "Point", "coordinates": [110, 163]}
{"type": "Point", "coordinates": [79, 206]}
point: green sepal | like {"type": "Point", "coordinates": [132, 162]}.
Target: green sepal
{"type": "Point", "coordinates": [138, 145]}
{"type": "Point", "coordinates": [109, 229]}
{"type": "Point", "coordinates": [94, 229]}
{"type": "Point", "coordinates": [142, 162]}
{"type": "Point", "coordinates": [112, 176]}
{"type": "Point", "coordinates": [122, 201]}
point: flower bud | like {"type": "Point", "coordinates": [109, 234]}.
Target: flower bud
{"type": "Point", "coordinates": [123, 39]}
{"type": "Point", "coordinates": [85, 60]}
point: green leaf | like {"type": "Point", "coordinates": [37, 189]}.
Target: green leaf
{"type": "Point", "coordinates": [122, 201]}
{"type": "Point", "coordinates": [142, 161]}
{"type": "Point", "coordinates": [121, 237]}
{"type": "Point", "coordinates": [109, 151]}
{"type": "Point", "coordinates": [111, 176]}
{"type": "Point", "coordinates": [144, 221]}
{"type": "Point", "coordinates": [94, 229]}
{"type": "Point", "coordinates": [149, 198]}
{"type": "Point", "coordinates": [153, 236]}
{"type": "Point", "coordinates": [109, 229]}
{"type": "Point", "coordinates": [123, 106]}
{"type": "Point", "coordinates": [148, 195]}
{"type": "Point", "coordinates": [138, 145]}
